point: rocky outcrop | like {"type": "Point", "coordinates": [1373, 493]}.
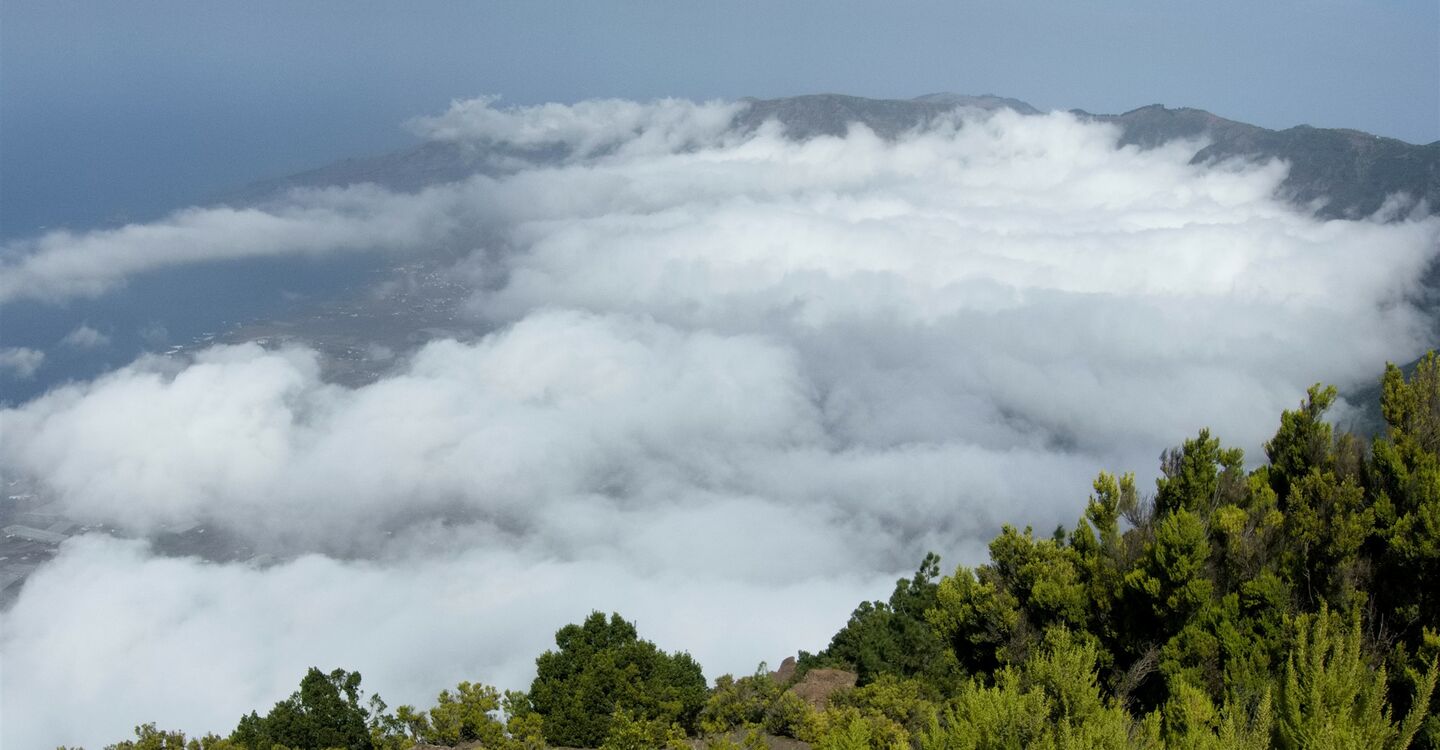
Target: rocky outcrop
{"type": "Point", "coordinates": [786, 673]}
{"type": "Point", "coordinates": [818, 685]}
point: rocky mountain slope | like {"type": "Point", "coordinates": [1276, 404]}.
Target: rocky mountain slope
{"type": "Point", "coordinates": [1349, 172]}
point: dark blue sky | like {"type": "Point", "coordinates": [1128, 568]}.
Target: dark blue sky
{"type": "Point", "coordinates": [114, 111]}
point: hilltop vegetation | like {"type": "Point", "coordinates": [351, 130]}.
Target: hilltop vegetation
{"type": "Point", "coordinates": [1296, 605]}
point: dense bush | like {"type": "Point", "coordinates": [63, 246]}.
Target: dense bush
{"type": "Point", "coordinates": [892, 637]}
{"type": "Point", "coordinates": [602, 666]}
{"type": "Point", "coordinates": [754, 702]}
{"type": "Point", "coordinates": [325, 712]}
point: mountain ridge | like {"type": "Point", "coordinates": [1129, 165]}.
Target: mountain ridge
{"type": "Point", "coordinates": [1339, 173]}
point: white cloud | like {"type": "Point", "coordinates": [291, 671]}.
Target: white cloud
{"type": "Point", "coordinates": [584, 129]}
{"type": "Point", "coordinates": [725, 375]}
{"type": "Point", "coordinates": [64, 264]}
{"type": "Point", "coordinates": [410, 629]}
{"type": "Point", "coordinates": [85, 337]}
{"type": "Point", "coordinates": [20, 362]}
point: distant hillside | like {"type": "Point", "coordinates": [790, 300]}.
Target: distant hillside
{"type": "Point", "coordinates": [830, 114]}
{"type": "Point", "coordinates": [1348, 173]}
{"type": "Point", "coordinates": [1353, 172]}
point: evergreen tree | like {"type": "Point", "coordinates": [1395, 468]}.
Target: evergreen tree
{"type": "Point", "coordinates": [1331, 698]}
{"type": "Point", "coordinates": [892, 637]}
{"type": "Point", "coordinates": [324, 713]}
{"type": "Point", "coordinates": [601, 667]}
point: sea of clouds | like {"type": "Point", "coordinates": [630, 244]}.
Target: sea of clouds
{"type": "Point", "coordinates": [730, 384]}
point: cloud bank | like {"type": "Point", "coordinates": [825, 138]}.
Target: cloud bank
{"type": "Point", "coordinates": [729, 384]}
{"type": "Point", "coordinates": [62, 264]}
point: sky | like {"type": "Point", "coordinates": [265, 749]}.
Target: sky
{"type": "Point", "coordinates": [727, 384]}
{"type": "Point", "coordinates": [120, 111]}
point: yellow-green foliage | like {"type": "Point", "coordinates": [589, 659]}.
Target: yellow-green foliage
{"type": "Point", "coordinates": [849, 730]}
{"type": "Point", "coordinates": [887, 712]}
{"type": "Point", "coordinates": [734, 703]}
{"type": "Point", "coordinates": [147, 737]}
{"type": "Point", "coordinates": [525, 727]}
{"type": "Point", "coordinates": [1405, 477]}
{"type": "Point", "coordinates": [466, 715]}
{"type": "Point", "coordinates": [1332, 698]}
{"type": "Point", "coordinates": [754, 701]}
{"type": "Point", "coordinates": [1052, 701]}
{"type": "Point", "coordinates": [978, 617]}
{"type": "Point", "coordinates": [631, 732]}
{"type": "Point", "coordinates": [1192, 722]}
{"type": "Point", "coordinates": [1171, 579]}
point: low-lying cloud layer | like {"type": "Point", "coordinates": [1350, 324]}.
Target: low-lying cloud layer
{"type": "Point", "coordinates": [734, 383]}
{"type": "Point", "coordinates": [62, 264]}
